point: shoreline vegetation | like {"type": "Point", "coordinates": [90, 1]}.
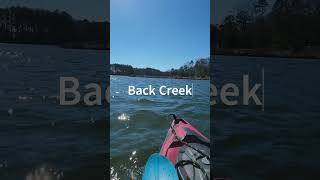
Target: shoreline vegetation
{"type": "Point", "coordinates": [197, 70]}
{"type": "Point", "coordinates": [22, 25]}
{"type": "Point", "coordinates": [68, 45]}
{"type": "Point", "coordinates": [165, 77]}
{"type": "Point", "coordinates": [285, 29]}
{"type": "Point", "coordinates": [308, 53]}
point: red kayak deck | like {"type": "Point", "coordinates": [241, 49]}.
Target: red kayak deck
{"type": "Point", "coordinates": [172, 145]}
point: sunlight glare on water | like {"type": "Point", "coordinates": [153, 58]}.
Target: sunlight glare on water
{"type": "Point", "coordinates": [124, 117]}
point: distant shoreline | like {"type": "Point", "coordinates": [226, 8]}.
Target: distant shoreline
{"type": "Point", "coordinates": [84, 45]}
{"type": "Point", "coordinates": [165, 77]}
{"type": "Point", "coordinates": [304, 54]}
{"type": "Point", "coordinates": [69, 45]}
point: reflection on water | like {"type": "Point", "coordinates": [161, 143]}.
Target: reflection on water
{"type": "Point", "coordinates": [44, 172]}
{"type": "Point", "coordinates": [124, 117]}
{"type": "Point", "coordinates": [139, 123]}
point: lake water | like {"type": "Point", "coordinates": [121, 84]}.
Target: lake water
{"type": "Point", "coordinates": [283, 142]}
{"type": "Point", "coordinates": [139, 123]}
{"type": "Point", "coordinates": [37, 132]}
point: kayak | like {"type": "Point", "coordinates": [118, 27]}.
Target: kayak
{"type": "Point", "coordinates": [159, 167]}
{"type": "Point", "coordinates": [187, 150]}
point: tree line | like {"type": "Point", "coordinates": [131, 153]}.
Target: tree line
{"type": "Point", "coordinates": [287, 24]}
{"type": "Point", "coordinates": [26, 25]}
{"type": "Point", "coordinates": [192, 69]}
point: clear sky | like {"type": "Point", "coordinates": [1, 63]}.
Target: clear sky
{"type": "Point", "coordinates": [161, 34]}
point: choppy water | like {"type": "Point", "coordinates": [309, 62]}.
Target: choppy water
{"type": "Point", "coordinates": [35, 131]}
{"type": "Point", "coordinates": [139, 123]}
{"type": "Point", "coordinates": [283, 142]}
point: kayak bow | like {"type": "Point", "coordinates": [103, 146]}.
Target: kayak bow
{"type": "Point", "coordinates": [188, 150]}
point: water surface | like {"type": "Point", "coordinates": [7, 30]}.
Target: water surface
{"type": "Point", "coordinates": [139, 123]}
{"type": "Point", "coordinates": [283, 142]}
{"type": "Point", "coordinates": [37, 132]}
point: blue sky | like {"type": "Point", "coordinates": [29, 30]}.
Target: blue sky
{"type": "Point", "coordinates": [161, 34]}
